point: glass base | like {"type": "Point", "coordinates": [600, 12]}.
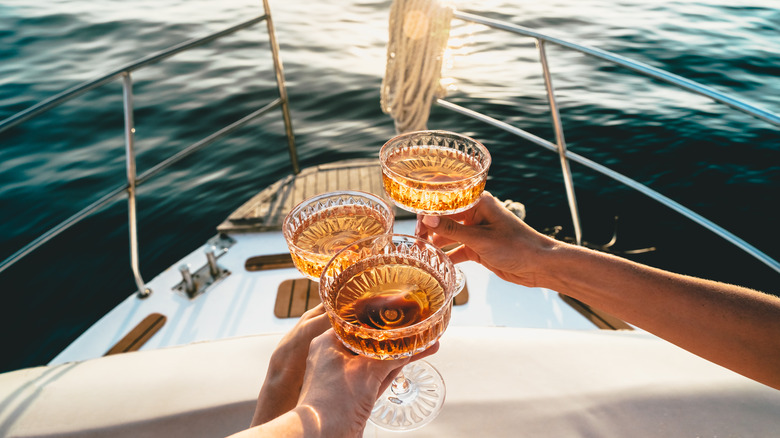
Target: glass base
{"type": "Point", "coordinates": [412, 401]}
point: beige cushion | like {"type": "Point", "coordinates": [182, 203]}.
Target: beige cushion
{"type": "Point", "coordinates": [500, 382]}
{"type": "Point", "coordinates": [203, 389]}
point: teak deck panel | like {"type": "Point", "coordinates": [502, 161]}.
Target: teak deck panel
{"type": "Point", "coordinates": [266, 210]}
{"type": "Point", "coordinates": [137, 337]}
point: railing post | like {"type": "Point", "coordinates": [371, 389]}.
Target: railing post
{"type": "Point", "coordinates": [282, 89]}
{"type": "Point", "coordinates": [565, 169]}
{"type": "Point", "coordinates": [127, 92]}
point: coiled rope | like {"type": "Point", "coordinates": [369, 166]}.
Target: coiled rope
{"type": "Point", "coordinates": [419, 30]}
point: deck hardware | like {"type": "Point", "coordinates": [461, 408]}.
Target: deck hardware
{"type": "Point", "coordinates": [212, 262]}
{"type": "Point", "coordinates": [220, 244]}
{"type": "Point", "coordinates": [186, 279]}
{"type": "Point", "coordinates": [560, 143]}
{"type": "Point", "coordinates": [280, 83]}
{"type": "Point", "coordinates": [197, 282]}
{"type": "Point", "coordinates": [132, 181]}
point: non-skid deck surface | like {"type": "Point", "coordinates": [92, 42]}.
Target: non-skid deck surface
{"type": "Point", "coordinates": [266, 210]}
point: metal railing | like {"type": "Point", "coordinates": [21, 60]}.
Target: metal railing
{"type": "Point", "coordinates": [133, 180]}
{"type": "Point", "coordinates": [566, 156]}
{"type": "Point", "coordinates": [559, 147]}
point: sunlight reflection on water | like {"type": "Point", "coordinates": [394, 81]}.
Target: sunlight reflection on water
{"type": "Point", "coordinates": [334, 54]}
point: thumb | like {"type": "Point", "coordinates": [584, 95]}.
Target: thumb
{"type": "Point", "coordinates": [450, 229]}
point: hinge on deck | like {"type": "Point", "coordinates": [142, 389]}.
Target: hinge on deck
{"type": "Point", "coordinates": [196, 283]}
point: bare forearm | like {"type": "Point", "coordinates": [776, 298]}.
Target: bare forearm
{"type": "Point", "coordinates": [278, 395]}
{"type": "Point", "coordinates": [733, 326]}
{"type": "Point", "coordinates": [300, 422]}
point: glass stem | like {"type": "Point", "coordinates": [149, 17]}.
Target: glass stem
{"type": "Point", "coordinates": [400, 385]}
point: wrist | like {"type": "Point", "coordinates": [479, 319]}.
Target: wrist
{"type": "Point", "coordinates": [278, 394]}
{"type": "Point", "coordinates": [325, 421]}
{"type": "Point", "coordinates": [311, 421]}
{"type": "Point", "coordinates": [548, 262]}
{"type": "Point", "coordinates": [536, 259]}
{"type": "Point", "coordinates": [279, 380]}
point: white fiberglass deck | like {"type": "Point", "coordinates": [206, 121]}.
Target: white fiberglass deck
{"type": "Point", "coordinates": [243, 303]}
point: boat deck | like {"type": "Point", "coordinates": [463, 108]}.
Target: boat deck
{"type": "Point", "coordinates": [264, 293]}
{"type": "Point", "coordinates": [266, 210]}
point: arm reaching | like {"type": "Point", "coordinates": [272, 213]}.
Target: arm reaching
{"type": "Point", "coordinates": [337, 395]}
{"type": "Point", "coordinates": [735, 327]}
{"type": "Point", "coordinates": [287, 366]}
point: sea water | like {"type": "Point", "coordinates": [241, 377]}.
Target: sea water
{"type": "Point", "coordinates": [722, 164]}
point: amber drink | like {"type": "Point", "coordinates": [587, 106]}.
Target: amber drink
{"type": "Point", "coordinates": [389, 296]}
{"type": "Point", "coordinates": [434, 172]}
{"type": "Point", "coordinates": [321, 226]}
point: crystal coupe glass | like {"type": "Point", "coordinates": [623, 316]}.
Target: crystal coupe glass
{"type": "Point", "coordinates": [320, 226]}
{"type": "Point", "coordinates": [389, 297]}
{"type": "Point", "coordinates": [434, 172]}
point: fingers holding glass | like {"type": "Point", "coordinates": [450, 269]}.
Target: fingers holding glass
{"type": "Point", "coordinates": [390, 297]}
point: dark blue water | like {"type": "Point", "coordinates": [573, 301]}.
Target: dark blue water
{"type": "Point", "coordinates": [721, 164]}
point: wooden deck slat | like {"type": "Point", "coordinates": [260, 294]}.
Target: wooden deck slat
{"type": "Point", "coordinates": [332, 180]}
{"type": "Point", "coordinates": [310, 185]}
{"type": "Point", "coordinates": [138, 336]}
{"type": "Point", "coordinates": [314, 295]}
{"type": "Point", "coordinates": [277, 202]}
{"type": "Point", "coordinates": [270, 261]}
{"type": "Point", "coordinates": [343, 179]}
{"type": "Point", "coordinates": [300, 296]}
{"type": "Point", "coordinates": [287, 203]}
{"type": "Point", "coordinates": [320, 183]}
{"type": "Point", "coordinates": [283, 297]}
{"type": "Point", "coordinates": [266, 210]}
{"type": "Point", "coordinates": [365, 177]}
{"type": "Point", "coordinates": [298, 192]}
{"type": "Point", "coordinates": [376, 182]}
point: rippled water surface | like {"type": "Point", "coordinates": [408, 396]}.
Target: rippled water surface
{"type": "Point", "coordinates": [722, 164]}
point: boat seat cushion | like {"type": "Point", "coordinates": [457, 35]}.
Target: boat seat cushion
{"type": "Point", "coordinates": [501, 382]}
{"type": "Point", "coordinates": [202, 389]}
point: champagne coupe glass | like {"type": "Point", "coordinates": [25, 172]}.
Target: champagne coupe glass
{"type": "Point", "coordinates": [320, 226]}
{"type": "Point", "coordinates": [434, 173]}
{"type": "Point", "coordinates": [389, 297]}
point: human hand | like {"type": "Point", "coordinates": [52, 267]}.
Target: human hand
{"type": "Point", "coordinates": [491, 235]}
{"type": "Point", "coordinates": [287, 366]}
{"type": "Point", "coordinates": [340, 387]}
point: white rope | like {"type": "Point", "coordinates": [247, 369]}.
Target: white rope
{"type": "Point", "coordinates": [419, 30]}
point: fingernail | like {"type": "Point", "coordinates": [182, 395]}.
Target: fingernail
{"type": "Point", "coordinates": [431, 221]}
